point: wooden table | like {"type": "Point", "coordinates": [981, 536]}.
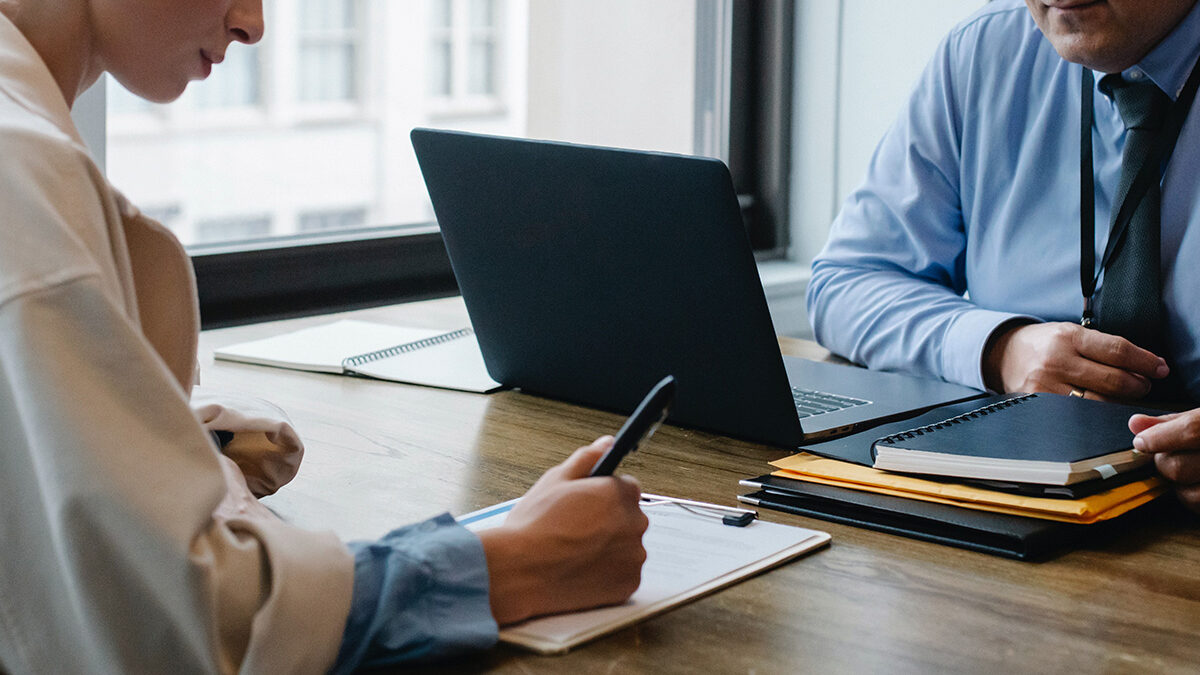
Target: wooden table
{"type": "Point", "coordinates": [383, 454]}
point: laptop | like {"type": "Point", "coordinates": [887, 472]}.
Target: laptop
{"type": "Point", "coordinates": [589, 273]}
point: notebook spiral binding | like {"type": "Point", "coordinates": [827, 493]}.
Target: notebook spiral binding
{"type": "Point", "coordinates": [958, 419]}
{"type": "Point", "coordinates": [389, 352]}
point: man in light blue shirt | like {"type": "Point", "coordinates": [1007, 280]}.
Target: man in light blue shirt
{"type": "Point", "coordinates": [959, 257]}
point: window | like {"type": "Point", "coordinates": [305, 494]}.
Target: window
{"type": "Point", "coordinates": [121, 103]}
{"type": "Point", "coordinates": [329, 39]}
{"type": "Point", "coordinates": [483, 27]}
{"type": "Point", "coordinates": [858, 64]}
{"type": "Point", "coordinates": [240, 84]}
{"type": "Point", "coordinates": [327, 221]}
{"type": "Point", "coordinates": [441, 48]}
{"type": "Point", "coordinates": [308, 130]}
{"type": "Point", "coordinates": [232, 228]}
{"type": "Point", "coordinates": [168, 215]}
{"type": "Point", "coordinates": [464, 54]}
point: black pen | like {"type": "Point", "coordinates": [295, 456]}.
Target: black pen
{"type": "Point", "coordinates": [641, 425]}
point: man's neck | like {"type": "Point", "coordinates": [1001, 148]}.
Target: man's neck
{"type": "Point", "coordinates": [1158, 41]}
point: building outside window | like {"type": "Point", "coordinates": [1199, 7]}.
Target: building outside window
{"type": "Point", "coordinates": [329, 37]}
{"type": "Point", "coordinates": [332, 220]}
{"type": "Point", "coordinates": [308, 130]}
{"type": "Point", "coordinates": [441, 48]}
{"type": "Point", "coordinates": [229, 228]}
{"type": "Point", "coordinates": [483, 24]}
{"type": "Point", "coordinates": [167, 214]}
{"type": "Point", "coordinates": [466, 39]}
{"type": "Point", "coordinates": [240, 84]}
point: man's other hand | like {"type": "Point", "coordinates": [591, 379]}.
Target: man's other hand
{"type": "Point", "coordinates": [1174, 440]}
{"type": "Point", "coordinates": [1062, 357]}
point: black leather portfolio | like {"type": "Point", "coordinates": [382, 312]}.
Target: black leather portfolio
{"type": "Point", "coordinates": [995, 533]}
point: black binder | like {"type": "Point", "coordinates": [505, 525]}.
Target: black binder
{"type": "Point", "coordinates": [994, 533]}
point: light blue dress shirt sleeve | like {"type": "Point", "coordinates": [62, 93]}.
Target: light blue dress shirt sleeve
{"type": "Point", "coordinates": [888, 289]}
{"type": "Point", "coordinates": [420, 593]}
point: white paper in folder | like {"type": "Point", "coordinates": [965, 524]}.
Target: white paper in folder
{"type": "Point", "coordinates": [688, 555]}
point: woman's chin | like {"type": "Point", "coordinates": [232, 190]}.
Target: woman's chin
{"type": "Point", "coordinates": [160, 92]}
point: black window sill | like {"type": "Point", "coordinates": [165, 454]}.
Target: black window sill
{"type": "Point", "coordinates": [277, 279]}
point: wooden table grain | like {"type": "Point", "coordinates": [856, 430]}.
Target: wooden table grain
{"type": "Point", "coordinates": [382, 454]}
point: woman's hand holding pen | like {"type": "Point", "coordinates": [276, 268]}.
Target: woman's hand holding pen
{"type": "Point", "coordinates": [571, 542]}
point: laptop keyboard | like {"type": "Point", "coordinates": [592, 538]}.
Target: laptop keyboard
{"type": "Point", "coordinates": [809, 402]}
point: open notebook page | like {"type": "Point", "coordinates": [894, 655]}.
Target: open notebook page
{"type": "Point", "coordinates": [322, 348]}
{"type": "Point", "coordinates": [454, 364]}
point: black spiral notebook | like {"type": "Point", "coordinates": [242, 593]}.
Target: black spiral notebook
{"type": "Point", "coordinates": [1086, 430]}
{"type": "Point", "coordinates": [1027, 438]}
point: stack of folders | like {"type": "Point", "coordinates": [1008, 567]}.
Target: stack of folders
{"type": "Point", "coordinates": [1016, 475]}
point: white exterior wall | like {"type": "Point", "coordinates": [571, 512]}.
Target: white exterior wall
{"type": "Point", "coordinates": [617, 72]}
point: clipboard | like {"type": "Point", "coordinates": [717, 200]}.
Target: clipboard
{"type": "Point", "coordinates": [689, 555]}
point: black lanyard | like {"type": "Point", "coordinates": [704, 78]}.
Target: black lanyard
{"type": "Point", "coordinates": [1152, 170]}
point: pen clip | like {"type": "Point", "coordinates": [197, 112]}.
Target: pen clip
{"type": "Point", "coordinates": [729, 515]}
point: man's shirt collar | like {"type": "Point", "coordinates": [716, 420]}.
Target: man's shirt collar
{"type": "Point", "coordinates": [1170, 62]}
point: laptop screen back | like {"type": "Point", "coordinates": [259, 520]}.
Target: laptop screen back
{"type": "Point", "coordinates": [590, 273]}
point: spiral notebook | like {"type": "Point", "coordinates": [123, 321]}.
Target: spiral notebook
{"type": "Point", "coordinates": [1027, 438]}
{"type": "Point", "coordinates": [429, 357]}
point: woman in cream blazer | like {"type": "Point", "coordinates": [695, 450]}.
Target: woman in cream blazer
{"type": "Point", "coordinates": [128, 541]}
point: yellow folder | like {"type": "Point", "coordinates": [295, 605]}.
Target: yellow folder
{"type": "Point", "coordinates": [1091, 509]}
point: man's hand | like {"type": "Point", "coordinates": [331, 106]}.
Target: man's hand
{"type": "Point", "coordinates": [1174, 440]}
{"type": "Point", "coordinates": [571, 542]}
{"type": "Point", "coordinates": [1061, 357]}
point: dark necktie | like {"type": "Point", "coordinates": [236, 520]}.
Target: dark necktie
{"type": "Point", "coordinates": [1129, 302]}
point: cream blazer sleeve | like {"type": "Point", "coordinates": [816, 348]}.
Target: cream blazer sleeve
{"type": "Point", "coordinates": [113, 556]}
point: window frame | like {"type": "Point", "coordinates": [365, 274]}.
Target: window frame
{"type": "Point", "coordinates": [315, 274]}
{"type": "Point", "coordinates": [760, 120]}
{"type": "Point", "coordinates": [748, 125]}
